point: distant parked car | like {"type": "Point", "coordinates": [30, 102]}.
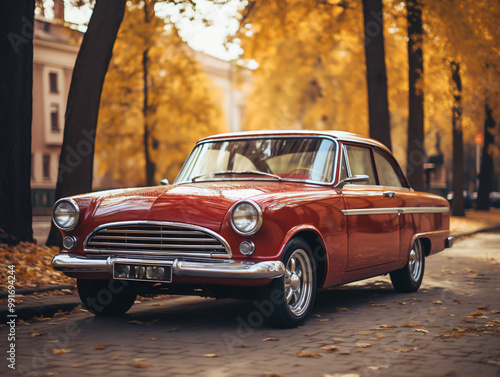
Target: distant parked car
{"type": "Point", "coordinates": [469, 199]}
{"type": "Point", "coordinates": [495, 199]}
{"type": "Point", "coordinates": [268, 215]}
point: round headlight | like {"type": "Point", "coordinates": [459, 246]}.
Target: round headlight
{"type": "Point", "coordinates": [66, 214]}
{"type": "Point", "coordinates": [246, 218]}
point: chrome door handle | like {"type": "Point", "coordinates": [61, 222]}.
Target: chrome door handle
{"type": "Point", "coordinates": [389, 194]}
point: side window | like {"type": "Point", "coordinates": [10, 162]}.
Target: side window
{"type": "Point", "coordinates": [386, 172]}
{"type": "Point", "coordinates": [360, 162]}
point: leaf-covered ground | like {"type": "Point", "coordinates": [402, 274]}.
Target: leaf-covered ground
{"type": "Point", "coordinates": [32, 266]}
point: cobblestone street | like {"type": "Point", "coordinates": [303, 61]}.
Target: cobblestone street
{"type": "Point", "coordinates": [450, 327]}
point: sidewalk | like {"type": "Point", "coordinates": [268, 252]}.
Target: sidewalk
{"type": "Point", "coordinates": [54, 292]}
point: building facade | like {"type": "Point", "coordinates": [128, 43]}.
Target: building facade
{"type": "Point", "coordinates": [55, 48]}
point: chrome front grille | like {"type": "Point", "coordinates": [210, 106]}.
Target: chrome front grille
{"type": "Point", "coordinates": [156, 238]}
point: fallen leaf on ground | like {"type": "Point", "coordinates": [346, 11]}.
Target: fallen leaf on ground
{"type": "Point", "coordinates": [174, 329]}
{"type": "Point", "coordinates": [114, 357]}
{"type": "Point", "coordinates": [341, 309]}
{"type": "Point", "coordinates": [483, 307]}
{"type": "Point", "coordinates": [308, 354]}
{"type": "Point", "coordinates": [388, 326]}
{"type": "Point", "coordinates": [377, 367]}
{"type": "Point", "coordinates": [242, 346]}
{"type": "Point", "coordinates": [271, 339]}
{"type": "Point", "coordinates": [338, 340]}
{"type": "Point", "coordinates": [155, 338]}
{"type": "Point", "coordinates": [412, 325]}
{"type": "Point", "coordinates": [211, 355]}
{"type": "Point", "coordinates": [345, 352]}
{"type": "Point", "coordinates": [398, 350]}
{"type": "Point", "coordinates": [379, 335]}
{"type": "Point", "coordinates": [326, 319]}
{"type": "Point", "coordinates": [135, 322]}
{"type": "Point", "coordinates": [477, 313]}
{"type": "Point", "coordinates": [363, 345]}
{"type": "Point", "coordinates": [100, 346]}
{"type": "Point", "coordinates": [34, 334]}
{"type": "Point", "coordinates": [330, 348]}
{"type": "Point", "coordinates": [422, 330]}
{"type": "Point", "coordinates": [364, 332]}
{"type": "Point", "coordinates": [140, 365]}
{"type": "Point", "coordinates": [493, 362]}
{"type": "Point", "coordinates": [60, 351]}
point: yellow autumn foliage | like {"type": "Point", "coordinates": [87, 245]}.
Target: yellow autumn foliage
{"type": "Point", "coordinates": [312, 72]}
{"type": "Point", "coordinates": [183, 104]}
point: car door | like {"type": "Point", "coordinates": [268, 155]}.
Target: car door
{"type": "Point", "coordinates": [371, 212]}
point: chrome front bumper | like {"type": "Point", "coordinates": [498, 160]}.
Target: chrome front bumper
{"type": "Point", "coordinates": [180, 267]}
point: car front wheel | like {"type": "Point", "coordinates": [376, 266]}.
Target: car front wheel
{"type": "Point", "coordinates": [292, 295]}
{"type": "Point", "coordinates": [106, 297]}
{"type": "Point", "coordinates": [409, 278]}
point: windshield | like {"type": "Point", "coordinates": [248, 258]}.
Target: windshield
{"type": "Point", "coordinates": [302, 159]}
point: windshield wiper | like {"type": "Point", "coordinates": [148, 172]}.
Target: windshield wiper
{"type": "Point", "coordinates": [226, 172]}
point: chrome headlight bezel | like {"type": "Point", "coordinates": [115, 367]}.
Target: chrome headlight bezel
{"type": "Point", "coordinates": [257, 218]}
{"type": "Point", "coordinates": [76, 218]}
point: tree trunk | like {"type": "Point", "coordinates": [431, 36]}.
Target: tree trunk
{"type": "Point", "coordinates": [76, 161]}
{"type": "Point", "coordinates": [486, 171]}
{"type": "Point", "coordinates": [150, 165]}
{"type": "Point", "coordinates": [16, 78]}
{"type": "Point", "coordinates": [415, 151]}
{"type": "Point", "coordinates": [458, 144]}
{"type": "Point", "coordinates": [376, 76]}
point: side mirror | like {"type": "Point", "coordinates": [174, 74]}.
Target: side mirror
{"type": "Point", "coordinates": [354, 179]}
{"type": "Point", "coordinates": [164, 181]}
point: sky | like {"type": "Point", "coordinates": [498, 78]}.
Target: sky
{"type": "Point", "coordinates": [207, 39]}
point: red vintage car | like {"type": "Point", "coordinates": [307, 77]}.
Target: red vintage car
{"type": "Point", "coordinates": [268, 215]}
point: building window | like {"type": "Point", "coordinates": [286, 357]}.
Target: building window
{"type": "Point", "coordinates": [53, 82]}
{"type": "Point", "coordinates": [54, 118]}
{"type": "Point", "coordinates": [46, 166]}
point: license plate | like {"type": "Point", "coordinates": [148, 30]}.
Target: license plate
{"type": "Point", "coordinates": [142, 272]}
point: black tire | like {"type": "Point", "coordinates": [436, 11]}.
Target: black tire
{"type": "Point", "coordinates": [409, 278]}
{"type": "Point", "coordinates": [292, 295]}
{"type": "Point", "coordinates": [105, 298]}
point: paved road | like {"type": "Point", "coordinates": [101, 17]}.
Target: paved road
{"type": "Point", "coordinates": [449, 328]}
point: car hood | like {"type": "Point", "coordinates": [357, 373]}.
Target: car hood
{"type": "Point", "coordinates": [203, 203]}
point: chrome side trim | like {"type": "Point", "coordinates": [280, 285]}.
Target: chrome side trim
{"type": "Point", "coordinates": [426, 210]}
{"type": "Point", "coordinates": [180, 267]}
{"type": "Point", "coordinates": [395, 210]}
{"type": "Point", "coordinates": [370, 211]}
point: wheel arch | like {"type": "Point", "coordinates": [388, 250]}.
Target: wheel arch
{"type": "Point", "coordinates": [315, 240]}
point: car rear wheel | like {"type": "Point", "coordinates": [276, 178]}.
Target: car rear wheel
{"type": "Point", "coordinates": [106, 297]}
{"type": "Point", "coordinates": [409, 278]}
{"type": "Point", "coordinates": [292, 295]}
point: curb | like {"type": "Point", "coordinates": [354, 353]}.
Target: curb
{"type": "Point", "coordinates": [485, 230]}
{"type": "Point", "coordinates": [30, 291]}
{"type": "Point", "coordinates": [46, 307]}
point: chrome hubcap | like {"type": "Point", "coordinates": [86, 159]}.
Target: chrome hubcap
{"type": "Point", "coordinates": [298, 282]}
{"type": "Point", "coordinates": [415, 261]}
